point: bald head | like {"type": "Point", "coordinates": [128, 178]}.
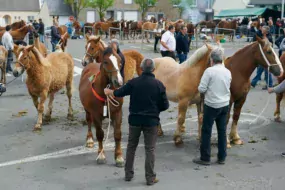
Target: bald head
{"type": "Point", "coordinates": [147, 65]}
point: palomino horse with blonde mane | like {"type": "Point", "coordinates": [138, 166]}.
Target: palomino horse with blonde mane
{"type": "Point", "coordinates": [280, 96]}
{"type": "Point", "coordinates": [242, 64]}
{"type": "Point", "coordinates": [94, 49]}
{"type": "Point", "coordinates": [3, 59]}
{"type": "Point", "coordinates": [181, 82]}
{"type": "Point", "coordinates": [94, 78]}
{"type": "Point", "coordinates": [45, 77]}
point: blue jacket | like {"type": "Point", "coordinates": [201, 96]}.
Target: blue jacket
{"type": "Point", "coordinates": [182, 43]}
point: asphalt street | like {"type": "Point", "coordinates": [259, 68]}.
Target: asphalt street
{"type": "Point", "coordinates": [56, 158]}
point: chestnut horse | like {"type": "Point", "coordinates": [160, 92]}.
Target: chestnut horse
{"type": "Point", "coordinates": [280, 96]}
{"type": "Point", "coordinates": [93, 99]}
{"type": "Point", "coordinates": [3, 59]}
{"type": "Point", "coordinates": [45, 77]}
{"type": "Point", "coordinates": [94, 48]}
{"type": "Point", "coordinates": [233, 25]}
{"type": "Point", "coordinates": [242, 64]}
{"type": "Point", "coordinates": [148, 26]}
{"type": "Point", "coordinates": [39, 45]}
{"type": "Point", "coordinates": [181, 82]}
{"type": "Point", "coordinates": [21, 33]}
{"type": "Point", "coordinates": [15, 25]}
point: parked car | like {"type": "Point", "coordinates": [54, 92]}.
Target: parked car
{"type": "Point", "coordinates": [48, 31]}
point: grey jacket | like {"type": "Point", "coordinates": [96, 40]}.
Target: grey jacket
{"type": "Point", "coordinates": [280, 88]}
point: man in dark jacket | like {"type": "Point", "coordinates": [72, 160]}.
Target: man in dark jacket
{"type": "Point", "coordinates": [41, 30]}
{"type": "Point", "coordinates": [182, 46]}
{"type": "Point", "coordinates": [147, 100]}
{"type": "Point", "coordinates": [55, 35]}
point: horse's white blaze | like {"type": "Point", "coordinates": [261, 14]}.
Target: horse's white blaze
{"type": "Point", "coordinates": [115, 63]}
{"type": "Point", "coordinates": [20, 55]}
{"type": "Point", "coordinates": [277, 60]}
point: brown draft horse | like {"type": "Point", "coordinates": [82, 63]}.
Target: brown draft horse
{"type": "Point", "coordinates": [228, 25]}
{"type": "Point", "coordinates": [21, 33]}
{"type": "Point", "coordinates": [148, 26]}
{"type": "Point", "coordinates": [45, 77]}
{"type": "Point", "coordinates": [15, 25]}
{"type": "Point", "coordinates": [104, 27]}
{"type": "Point", "coordinates": [3, 59]}
{"type": "Point", "coordinates": [242, 64]}
{"type": "Point", "coordinates": [93, 100]}
{"type": "Point", "coordinates": [181, 82]}
{"type": "Point", "coordinates": [279, 97]}
{"type": "Point", "coordinates": [94, 48]}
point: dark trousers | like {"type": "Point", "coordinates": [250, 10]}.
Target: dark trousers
{"type": "Point", "coordinates": [182, 57]}
{"type": "Point", "coordinates": [150, 136]}
{"type": "Point", "coordinates": [168, 54]}
{"type": "Point", "coordinates": [257, 78]}
{"type": "Point", "coordinates": [157, 38]}
{"type": "Point", "coordinates": [219, 116]}
{"type": "Point", "coordinates": [280, 52]}
{"type": "Point", "coordinates": [9, 61]}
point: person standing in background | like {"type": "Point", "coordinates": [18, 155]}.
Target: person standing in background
{"type": "Point", "coordinates": [168, 43]}
{"type": "Point", "coordinates": [182, 46]}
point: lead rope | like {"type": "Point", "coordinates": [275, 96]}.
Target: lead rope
{"type": "Point", "coordinates": [268, 98]}
{"type": "Point", "coordinates": [116, 104]}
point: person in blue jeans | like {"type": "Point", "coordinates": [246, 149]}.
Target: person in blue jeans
{"type": "Point", "coordinates": [55, 35]}
{"type": "Point", "coordinates": [182, 44]}
{"type": "Point", "coordinates": [263, 32]}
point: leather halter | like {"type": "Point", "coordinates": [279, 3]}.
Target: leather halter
{"type": "Point", "coordinates": [94, 91]}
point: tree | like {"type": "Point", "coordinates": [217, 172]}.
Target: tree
{"type": "Point", "coordinates": [101, 6]}
{"type": "Point", "coordinates": [77, 6]}
{"type": "Point", "coordinates": [144, 5]}
{"type": "Point", "coordinates": [182, 5]}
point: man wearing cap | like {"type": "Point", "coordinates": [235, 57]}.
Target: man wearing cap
{"type": "Point", "coordinates": [115, 43]}
{"type": "Point", "coordinates": [147, 100]}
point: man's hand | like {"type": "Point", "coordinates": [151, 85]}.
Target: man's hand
{"type": "Point", "coordinates": [270, 90]}
{"type": "Point", "coordinates": [108, 92]}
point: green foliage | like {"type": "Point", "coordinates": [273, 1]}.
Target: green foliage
{"type": "Point", "coordinates": [77, 5]}
{"type": "Point", "coordinates": [101, 6]}
{"type": "Point", "coordinates": [144, 5]}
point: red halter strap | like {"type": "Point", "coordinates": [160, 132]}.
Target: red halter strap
{"type": "Point", "coordinates": [94, 91]}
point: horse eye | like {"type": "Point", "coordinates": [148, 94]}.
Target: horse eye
{"type": "Point", "coordinates": [92, 48]}
{"type": "Point", "coordinates": [25, 57]}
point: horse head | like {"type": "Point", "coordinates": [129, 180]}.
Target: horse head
{"type": "Point", "coordinates": [23, 59]}
{"type": "Point", "coordinates": [93, 50]}
{"type": "Point", "coordinates": [110, 67]}
{"type": "Point", "coordinates": [267, 57]}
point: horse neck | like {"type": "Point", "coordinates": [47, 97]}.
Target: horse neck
{"type": "Point", "coordinates": [242, 61]}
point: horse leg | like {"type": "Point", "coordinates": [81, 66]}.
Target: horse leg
{"type": "Point", "coordinates": [147, 37]}
{"type": "Point", "coordinates": [49, 110]}
{"type": "Point", "coordinates": [69, 95]}
{"type": "Point", "coordinates": [234, 136]}
{"type": "Point", "coordinates": [228, 119]}
{"type": "Point", "coordinates": [159, 130]}
{"type": "Point", "coordinates": [277, 110]}
{"type": "Point", "coordinates": [100, 136]}
{"type": "Point", "coordinates": [117, 123]}
{"type": "Point", "coordinates": [182, 108]}
{"type": "Point", "coordinates": [89, 137]}
{"type": "Point", "coordinates": [41, 107]}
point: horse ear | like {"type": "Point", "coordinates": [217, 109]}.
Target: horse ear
{"type": "Point", "coordinates": [98, 39]}
{"type": "Point", "coordinates": [87, 37]}
{"type": "Point", "coordinates": [30, 47]}
{"type": "Point", "coordinates": [15, 50]}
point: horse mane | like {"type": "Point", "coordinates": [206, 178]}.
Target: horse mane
{"type": "Point", "coordinates": [198, 54]}
{"type": "Point", "coordinates": [40, 58]}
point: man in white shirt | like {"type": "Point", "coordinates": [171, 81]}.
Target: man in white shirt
{"type": "Point", "coordinates": [215, 85]}
{"type": "Point", "coordinates": [168, 43]}
{"type": "Point", "coordinates": [7, 41]}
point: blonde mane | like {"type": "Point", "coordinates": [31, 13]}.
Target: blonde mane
{"type": "Point", "coordinates": [198, 54]}
{"type": "Point", "coordinates": [93, 37]}
{"type": "Point", "coordinates": [40, 58]}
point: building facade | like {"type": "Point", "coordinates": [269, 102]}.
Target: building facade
{"type": "Point", "coordinates": [15, 10]}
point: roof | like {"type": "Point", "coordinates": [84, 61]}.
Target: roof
{"type": "Point", "coordinates": [265, 2]}
{"type": "Point", "coordinates": [20, 5]}
{"type": "Point", "coordinates": [58, 8]}
{"type": "Point", "coordinates": [241, 12]}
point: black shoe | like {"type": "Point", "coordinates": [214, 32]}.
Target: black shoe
{"type": "Point", "coordinates": [264, 88]}
{"type": "Point", "coordinates": [283, 154]}
{"type": "Point", "coordinates": [152, 182]}
{"type": "Point", "coordinates": [201, 162]}
{"type": "Point", "coordinates": [222, 162]}
{"type": "Point", "coordinates": [128, 178]}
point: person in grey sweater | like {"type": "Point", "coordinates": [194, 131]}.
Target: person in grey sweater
{"type": "Point", "coordinates": [278, 89]}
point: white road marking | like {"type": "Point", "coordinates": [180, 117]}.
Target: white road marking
{"type": "Point", "coordinates": [76, 59]}
{"type": "Point", "coordinates": [110, 146]}
{"type": "Point", "coordinates": [77, 71]}
{"type": "Point", "coordinates": [8, 75]}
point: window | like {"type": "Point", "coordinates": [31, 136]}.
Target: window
{"type": "Point", "coordinates": [31, 18]}
{"type": "Point", "coordinates": [128, 1]}
{"type": "Point", "coordinates": [15, 17]}
{"type": "Point", "coordinates": [19, 17]}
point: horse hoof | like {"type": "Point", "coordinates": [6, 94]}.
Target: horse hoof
{"type": "Point", "coordinates": [160, 133]}
{"type": "Point", "coordinates": [70, 117]}
{"type": "Point", "coordinates": [120, 162]}
{"type": "Point", "coordinates": [237, 142]}
{"type": "Point", "coordinates": [90, 143]}
{"type": "Point", "coordinates": [277, 119]}
{"type": "Point", "coordinates": [47, 118]}
{"type": "Point", "coordinates": [101, 161]}
{"type": "Point", "coordinates": [37, 128]}
{"type": "Point", "coordinates": [178, 141]}
{"type": "Point", "coordinates": [229, 146]}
